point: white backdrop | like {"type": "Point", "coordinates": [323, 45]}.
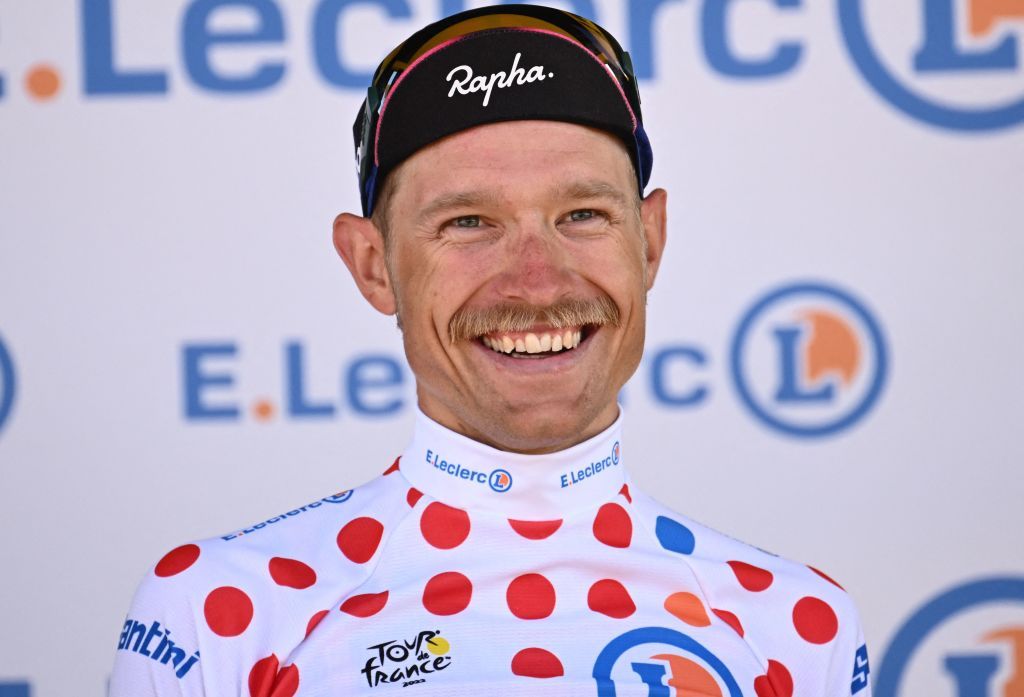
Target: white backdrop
{"type": "Point", "coordinates": [162, 230]}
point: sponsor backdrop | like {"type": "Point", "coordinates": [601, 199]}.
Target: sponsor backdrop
{"type": "Point", "coordinates": [831, 369]}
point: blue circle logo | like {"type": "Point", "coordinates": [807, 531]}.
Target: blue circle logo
{"type": "Point", "coordinates": [970, 659]}
{"type": "Point", "coordinates": [656, 657]}
{"type": "Point", "coordinates": [8, 384]}
{"type": "Point", "coordinates": [808, 360]}
{"type": "Point", "coordinates": [615, 453]}
{"type": "Point", "coordinates": [950, 63]}
{"type": "Point", "coordinates": [500, 480]}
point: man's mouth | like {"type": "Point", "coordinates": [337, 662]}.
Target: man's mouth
{"type": "Point", "coordinates": [536, 344]}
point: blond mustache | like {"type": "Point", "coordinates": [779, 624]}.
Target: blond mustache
{"type": "Point", "coordinates": [470, 323]}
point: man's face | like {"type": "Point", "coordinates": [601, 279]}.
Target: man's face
{"type": "Point", "coordinates": [508, 220]}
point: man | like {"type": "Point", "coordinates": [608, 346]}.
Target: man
{"type": "Point", "coordinates": [502, 168]}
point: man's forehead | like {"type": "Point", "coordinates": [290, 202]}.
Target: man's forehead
{"type": "Point", "coordinates": [496, 161]}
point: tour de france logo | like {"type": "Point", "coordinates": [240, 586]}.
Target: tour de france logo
{"type": "Point", "coordinates": [407, 661]}
{"type": "Point", "coordinates": [965, 642]}
{"type": "Point", "coordinates": [7, 384]}
{"type": "Point", "coordinates": [657, 658]}
{"type": "Point", "coordinates": [955, 64]}
{"type": "Point", "coordinates": [809, 360]}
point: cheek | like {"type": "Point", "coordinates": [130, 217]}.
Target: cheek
{"type": "Point", "coordinates": [431, 289]}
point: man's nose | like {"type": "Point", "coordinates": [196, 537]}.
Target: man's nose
{"type": "Point", "coordinates": [538, 267]}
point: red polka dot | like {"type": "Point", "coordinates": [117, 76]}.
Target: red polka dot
{"type": "Point", "coordinates": [266, 681]}
{"type": "Point", "coordinates": [262, 676]}
{"type": "Point", "coordinates": [447, 593]}
{"type": "Point", "coordinates": [537, 663]}
{"type": "Point", "coordinates": [365, 605]}
{"type": "Point", "coordinates": [530, 597]}
{"type": "Point", "coordinates": [393, 467]}
{"type": "Point", "coordinates": [613, 526]}
{"type": "Point", "coordinates": [609, 597]}
{"type": "Point", "coordinates": [228, 611]}
{"type": "Point", "coordinates": [444, 527]}
{"type": "Point", "coordinates": [777, 682]}
{"type": "Point", "coordinates": [177, 560]}
{"type": "Point", "coordinates": [291, 572]}
{"type": "Point", "coordinates": [315, 620]}
{"type": "Point", "coordinates": [826, 577]}
{"type": "Point", "coordinates": [413, 496]}
{"type": "Point", "coordinates": [359, 539]}
{"type": "Point", "coordinates": [730, 619]}
{"type": "Point", "coordinates": [625, 492]}
{"type": "Point", "coordinates": [753, 578]}
{"type": "Point", "coordinates": [535, 529]}
{"type": "Point", "coordinates": [815, 621]}
{"type": "Point", "coordinates": [287, 683]}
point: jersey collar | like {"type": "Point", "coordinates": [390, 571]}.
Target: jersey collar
{"type": "Point", "coordinates": [467, 474]}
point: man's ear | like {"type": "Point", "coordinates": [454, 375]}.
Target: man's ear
{"type": "Point", "coordinates": [654, 218]}
{"type": "Point", "coordinates": [361, 246]}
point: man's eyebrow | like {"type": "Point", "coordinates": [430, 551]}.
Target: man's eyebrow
{"type": "Point", "coordinates": [456, 199]}
{"type": "Point", "coordinates": [591, 188]}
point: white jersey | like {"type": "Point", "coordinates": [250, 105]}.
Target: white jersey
{"type": "Point", "coordinates": [464, 570]}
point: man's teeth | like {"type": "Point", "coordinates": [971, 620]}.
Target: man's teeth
{"type": "Point", "coordinates": [532, 343]}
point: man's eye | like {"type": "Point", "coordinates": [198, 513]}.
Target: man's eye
{"type": "Point", "coordinates": [578, 216]}
{"type": "Point", "coordinates": [465, 221]}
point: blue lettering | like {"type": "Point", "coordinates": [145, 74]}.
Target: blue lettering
{"type": "Point", "coordinates": [940, 52]}
{"type": "Point", "coordinates": [565, 481]}
{"type": "Point", "coordinates": [641, 35]}
{"type": "Point", "coordinates": [722, 58]}
{"type": "Point", "coordinates": [125, 633]}
{"type": "Point", "coordinates": [196, 381]}
{"type": "Point", "coordinates": [973, 674]}
{"type": "Point", "coordinates": [298, 404]}
{"type": "Point", "coordinates": [154, 631]}
{"type": "Point", "coordinates": [137, 633]}
{"type": "Point", "coordinates": [789, 387]}
{"type": "Point", "coordinates": [326, 20]}
{"type": "Point", "coordinates": [198, 39]}
{"type": "Point", "coordinates": [101, 77]}
{"type": "Point", "coordinates": [371, 373]}
{"type": "Point", "coordinates": [861, 670]}
{"type": "Point", "coordinates": [430, 455]}
{"type": "Point", "coordinates": [659, 381]}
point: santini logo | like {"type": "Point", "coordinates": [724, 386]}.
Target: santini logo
{"type": "Point", "coordinates": [468, 83]}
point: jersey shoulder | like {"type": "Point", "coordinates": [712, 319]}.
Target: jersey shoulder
{"type": "Point", "coordinates": [751, 565]}
{"type": "Point", "coordinates": [800, 623]}
{"type": "Point", "coordinates": [257, 590]}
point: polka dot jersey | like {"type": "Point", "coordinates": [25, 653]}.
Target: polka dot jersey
{"type": "Point", "coordinates": [464, 570]}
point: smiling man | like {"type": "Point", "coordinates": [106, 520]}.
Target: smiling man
{"type": "Point", "coordinates": [502, 168]}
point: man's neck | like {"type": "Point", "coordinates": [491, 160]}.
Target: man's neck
{"type": "Point", "coordinates": [509, 437]}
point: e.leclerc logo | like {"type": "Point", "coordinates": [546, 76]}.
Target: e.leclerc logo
{"type": "Point", "coordinates": [951, 63]}
{"type": "Point", "coordinates": [500, 480]}
{"type": "Point", "coordinates": [8, 384]}
{"type": "Point", "coordinates": [647, 656]}
{"type": "Point", "coordinates": [966, 642]}
{"type": "Point", "coordinates": [808, 360]}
